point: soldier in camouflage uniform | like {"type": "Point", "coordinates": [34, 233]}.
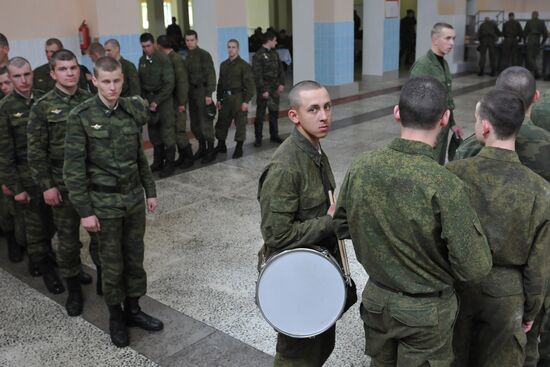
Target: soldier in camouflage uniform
{"type": "Point", "coordinates": [131, 78]}
{"type": "Point", "coordinates": [487, 35]}
{"type": "Point", "coordinates": [409, 305]}
{"type": "Point", "coordinates": [512, 33]}
{"type": "Point", "coordinates": [202, 83]}
{"type": "Point", "coordinates": [234, 92]}
{"type": "Point", "coordinates": [270, 83]}
{"type": "Point", "coordinates": [535, 28]}
{"type": "Point", "coordinates": [181, 89]}
{"type": "Point", "coordinates": [106, 173]}
{"type": "Point", "coordinates": [15, 173]}
{"type": "Point", "coordinates": [540, 112]}
{"type": "Point", "coordinates": [156, 76]}
{"type": "Point", "coordinates": [433, 64]}
{"type": "Point", "coordinates": [513, 204]}
{"type": "Point", "coordinates": [46, 139]}
{"type": "Point", "coordinates": [4, 50]}
{"type": "Point", "coordinates": [300, 170]}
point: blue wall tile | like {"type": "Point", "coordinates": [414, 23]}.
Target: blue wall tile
{"type": "Point", "coordinates": [225, 34]}
{"type": "Point", "coordinates": [391, 44]}
{"type": "Point", "coordinates": [334, 53]}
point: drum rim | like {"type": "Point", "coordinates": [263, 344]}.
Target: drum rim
{"type": "Point", "coordinates": [320, 252]}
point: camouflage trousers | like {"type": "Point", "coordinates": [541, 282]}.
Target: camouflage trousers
{"type": "Point", "coordinates": [181, 129]}
{"type": "Point", "coordinates": [231, 111]}
{"type": "Point", "coordinates": [121, 255]}
{"type": "Point", "coordinates": [164, 130]}
{"type": "Point", "coordinates": [538, 352]}
{"type": "Point", "coordinates": [488, 329]}
{"type": "Point", "coordinates": [261, 106]}
{"type": "Point", "coordinates": [407, 331]}
{"type": "Point", "coordinates": [39, 226]}
{"type": "Point", "coordinates": [306, 352]}
{"type": "Point", "coordinates": [201, 126]}
{"type": "Point", "coordinates": [12, 219]}
{"type": "Point", "coordinates": [67, 222]}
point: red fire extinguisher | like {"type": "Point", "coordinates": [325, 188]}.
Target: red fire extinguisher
{"type": "Point", "coordinates": [84, 36]}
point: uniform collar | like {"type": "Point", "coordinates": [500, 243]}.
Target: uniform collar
{"type": "Point", "coordinates": [306, 146]}
{"type": "Point", "coordinates": [22, 98]}
{"type": "Point", "coordinates": [527, 122]}
{"type": "Point", "coordinates": [107, 110]}
{"type": "Point", "coordinates": [64, 96]}
{"type": "Point", "coordinates": [412, 147]}
{"type": "Point", "coordinates": [499, 154]}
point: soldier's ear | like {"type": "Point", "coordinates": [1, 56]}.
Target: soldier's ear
{"type": "Point", "coordinates": [536, 97]}
{"type": "Point", "coordinates": [397, 114]}
{"type": "Point", "coordinates": [293, 115]}
{"type": "Point", "coordinates": [445, 118]}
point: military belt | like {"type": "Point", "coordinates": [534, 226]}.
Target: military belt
{"type": "Point", "coordinates": [437, 294]}
{"type": "Point", "coordinates": [58, 163]}
{"type": "Point", "coordinates": [111, 189]}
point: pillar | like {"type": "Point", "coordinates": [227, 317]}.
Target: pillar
{"type": "Point", "coordinates": [303, 23]}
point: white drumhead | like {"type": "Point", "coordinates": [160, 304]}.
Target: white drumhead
{"type": "Point", "coordinates": [301, 292]}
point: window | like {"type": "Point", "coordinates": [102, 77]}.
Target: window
{"type": "Point", "coordinates": [144, 16]}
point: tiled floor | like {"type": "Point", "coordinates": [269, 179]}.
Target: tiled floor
{"type": "Point", "coordinates": [201, 259]}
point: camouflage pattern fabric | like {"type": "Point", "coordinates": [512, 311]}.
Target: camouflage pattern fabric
{"type": "Point", "coordinates": [131, 85]}
{"type": "Point", "coordinates": [540, 112]}
{"type": "Point", "coordinates": [181, 92]}
{"type": "Point", "coordinates": [534, 30]}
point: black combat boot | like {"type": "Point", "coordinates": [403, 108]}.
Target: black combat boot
{"type": "Point", "coordinates": [169, 165]}
{"type": "Point", "coordinates": [221, 147]}
{"type": "Point", "coordinates": [15, 252]}
{"type": "Point", "coordinates": [85, 278]}
{"type": "Point", "coordinates": [201, 151]}
{"type": "Point", "coordinates": [158, 155]}
{"type": "Point", "coordinates": [117, 327]}
{"type": "Point", "coordinates": [185, 159]}
{"type": "Point", "coordinates": [136, 317]}
{"type": "Point", "coordinates": [99, 279]}
{"type": "Point", "coordinates": [238, 153]}
{"type": "Point", "coordinates": [210, 153]}
{"type": "Point", "coordinates": [480, 72]}
{"type": "Point", "coordinates": [34, 269]}
{"type": "Point", "coordinates": [51, 279]}
{"type": "Point", "coordinates": [75, 302]}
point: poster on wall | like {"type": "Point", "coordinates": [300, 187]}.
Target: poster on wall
{"type": "Point", "coordinates": [392, 8]}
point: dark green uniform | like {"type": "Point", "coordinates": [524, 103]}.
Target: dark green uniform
{"type": "Point", "coordinates": [235, 87]}
{"type": "Point", "coordinates": [156, 76]}
{"type": "Point", "coordinates": [415, 234]}
{"type": "Point", "coordinates": [16, 175]}
{"type": "Point", "coordinates": [512, 33]}
{"type": "Point", "coordinates": [180, 93]}
{"type": "Point", "coordinates": [106, 172]}
{"type": "Point", "coordinates": [46, 141]}
{"type": "Point", "coordinates": [131, 86]}
{"type": "Point", "coordinates": [534, 29]}
{"type": "Point", "coordinates": [294, 206]}
{"type": "Point", "coordinates": [202, 83]}
{"type": "Point", "coordinates": [44, 82]}
{"type": "Point", "coordinates": [437, 67]}
{"type": "Point", "coordinates": [268, 75]}
{"type": "Point", "coordinates": [513, 205]}
{"type": "Point", "coordinates": [487, 35]}
{"type": "Point", "coordinates": [540, 112]}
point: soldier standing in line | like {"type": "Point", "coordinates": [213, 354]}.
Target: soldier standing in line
{"type": "Point", "coordinates": [202, 83]}
{"type": "Point", "coordinates": [16, 175]}
{"type": "Point", "coordinates": [107, 174]}
{"type": "Point", "coordinates": [95, 51]}
{"type": "Point", "coordinates": [409, 304]}
{"type": "Point", "coordinates": [181, 89]}
{"type": "Point", "coordinates": [434, 64]}
{"type": "Point", "coordinates": [270, 83]}
{"type": "Point", "coordinates": [513, 204]}
{"type": "Point", "coordinates": [487, 35]}
{"type": "Point", "coordinates": [46, 139]}
{"type": "Point", "coordinates": [234, 92]}
{"type": "Point", "coordinates": [157, 81]}
{"type": "Point", "coordinates": [512, 33]}
{"type": "Point", "coordinates": [4, 50]}
{"type": "Point", "coordinates": [6, 87]}
{"type": "Point", "coordinates": [300, 168]}
{"type": "Point", "coordinates": [131, 78]}
{"type": "Point", "coordinates": [534, 29]}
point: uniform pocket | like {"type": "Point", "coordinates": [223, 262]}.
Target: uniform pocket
{"type": "Point", "coordinates": [416, 316]}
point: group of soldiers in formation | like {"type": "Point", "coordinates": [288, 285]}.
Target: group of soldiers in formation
{"type": "Point", "coordinates": [534, 36]}
{"type": "Point", "coordinates": [71, 154]}
{"type": "Point", "coordinates": [457, 254]}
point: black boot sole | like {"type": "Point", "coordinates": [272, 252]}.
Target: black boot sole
{"type": "Point", "coordinates": [74, 305]}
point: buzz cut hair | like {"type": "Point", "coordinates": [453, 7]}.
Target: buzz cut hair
{"type": "Point", "coordinates": [54, 41]}
{"type": "Point", "coordinates": [438, 27]}
{"type": "Point", "coordinates": [146, 37]}
{"type": "Point", "coordinates": [505, 110]}
{"type": "Point", "coordinates": [520, 80]}
{"type": "Point", "coordinates": [113, 42]}
{"type": "Point", "coordinates": [106, 63]}
{"type": "Point", "coordinates": [191, 32]}
{"type": "Point", "coordinates": [422, 103]}
{"type": "Point", "coordinates": [62, 55]}
{"type": "Point", "coordinates": [3, 70]}
{"type": "Point", "coordinates": [233, 40]}
{"type": "Point", "coordinates": [164, 42]}
{"type": "Point", "coordinates": [294, 96]}
{"type": "Point", "coordinates": [18, 62]}
{"type": "Point", "coordinates": [4, 40]}
{"type": "Point", "coordinates": [96, 48]}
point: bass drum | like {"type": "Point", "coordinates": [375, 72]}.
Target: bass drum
{"type": "Point", "coordinates": [301, 292]}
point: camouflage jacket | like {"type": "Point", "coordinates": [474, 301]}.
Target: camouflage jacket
{"type": "Point", "coordinates": [131, 86]}
{"type": "Point", "coordinates": [14, 117]}
{"type": "Point", "coordinates": [540, 113]}
{"type": "Point", "coordinates": [46, 136]}
{"type": "Point", "coordinates": [236, 77]}
{"type": "Point", "coordinates": [104, 150]}
{"type": "Point", "coordinates": [512, 29]}
{"type": "Point", "coordinates": [44, 82]}
{"type": "Point", "coordinates": [513, 205]}
{"type": "Point", "coordinates": [488, 31]}
{"type": "Point", "coordinates": [180, 73]}
{"type": "Point", "coordinates": [292, 197]}
{"type": "Point", "coordinates": [532, 147]}
{"type": "Point", "coordinates": [200, 69]}
{"type": "Point", "coordinates": [268, 70]}
{"type": "Point", "coordinates": [156, 76]}
{"type": "Point", "coordinates": [410, 220]}
{"type": "Point", "coordinates": [534, 29]}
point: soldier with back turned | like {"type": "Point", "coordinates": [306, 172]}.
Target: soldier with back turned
{"type": "Point", "coordinates": [535, 28]}
{"type": "Point", "coordinates": [512, 33]}
{"type": "Point", "coordinates": [487, 35]}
